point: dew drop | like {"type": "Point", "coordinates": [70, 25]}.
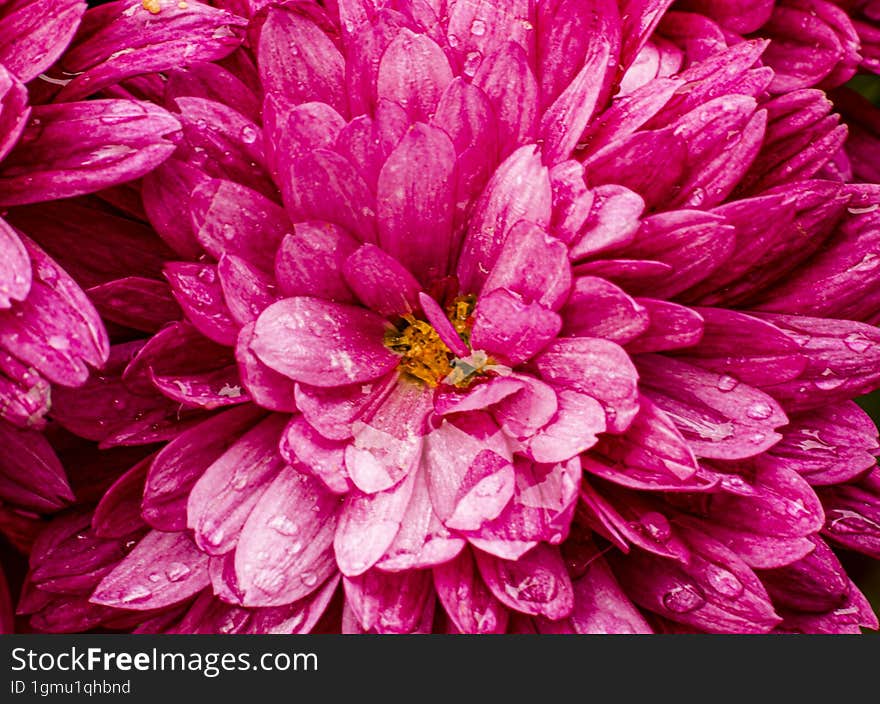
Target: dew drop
{"type": "Point", "coordinates": [137, 592]}
{"type": "Point", "coordinates": [828, 381]}
{"type": "Point", "coordinates": [239, 481]}
{"type": "Point", "coordinates": [177, 571]}
{"type": "Point", "coordinates": [310, 579]}
{"type": "Point", "coordinates": [206, 275]}
{"type": "Point", "coordinates": [228, 232]}
{"type": "Point", "coordinates": [59, 342]}
{"type": "Point", "coordinates": [723, 581]}
{"type": "Point", "coordinates": [454, 41]}
{"type": "Point", "coordinates": [154, 577]}
{"type": "Point", "coordinates": [472, 63]}
{"type": "Point", "coordinates": [759, 411]}
{"type": "Point", "coordinates": [857, 342]}
{"type": "Point", "coordinates": [283, 525]}
{"type": "Point", "coordinates": [845, 522]}
{"type": "Point", "coordinates": [683, 599]}
{"type": "Point", "coordinates": [657, 526]}
{"type": "Point", "coordinates": [478, 28]}
{"type": "Point", "coordinates": [727, 383]}
{"type": "Point", "coordinates": [248, 134]}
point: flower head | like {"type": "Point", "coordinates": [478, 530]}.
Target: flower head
{"type": "Point", "coordinates": [519, 316]}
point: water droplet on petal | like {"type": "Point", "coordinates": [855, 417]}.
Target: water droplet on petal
{"type": "Point", "coordinates": [828, 381]}
{"type": "Point", "coordinates": [723, 581]}
{"type": "Point", "coordinates": [760, 410]}
{"type": "Point", "coordinates": [206, 275]}
{"type": "Point", "coordinates": [657, 526]}
{"type": "Point", "coordinates": [177, 571]}
{"type": "Point", "coordinates": [154, 577]}
{"type": "Point", "coordinates": [310, 579]}
{"type": "Point", "coordinates": [136, 592]}
{"type": "Point", "coordinates": [727, 383]}
{"type": "Point", "coordinates": [478, 28]}
{"type": "Point", "coordinates": [857, 342]}
{"type": "Point", "coordinates": [248, 134]}
{"type": "Point", "coordinates": [472, 63]}
{"type": "Point", "coordinates": [683, 599]}
{"type": "Point", "coordinates": [283, 525]}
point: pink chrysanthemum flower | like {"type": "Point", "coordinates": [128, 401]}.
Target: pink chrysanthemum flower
{"type": "Point", "coordinates": [507, 316]}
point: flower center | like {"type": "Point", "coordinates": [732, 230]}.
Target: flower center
{"type": "Point", "coordinates": [425, 356]}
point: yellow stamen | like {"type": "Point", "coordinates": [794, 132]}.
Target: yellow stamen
{"type": "Point", "coordinates": [424, 355]}
{"type": "Point", "coordinates": [152, 6]}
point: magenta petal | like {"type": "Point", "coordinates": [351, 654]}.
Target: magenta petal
{"type": "Point", "coordinates": [750, 350]}
{"type": "Point", "coordinates": [247, 289]}
{"type": "Point", "coordinates": [518, 190]}
{"type": "Point", "coordinates": [182, 461]}
{"type": "Point", "coordinates": [670, 327]}
{"type": "Point", "coordinates": [414, 202]}
{"type": "Point", "coordinates": [141, 304]}
{"type": "Point", "coordinates": [118, 513]}
{"type": "Point", "coordinates": [153, 42]}
{"type": "Point", "coordinates": [830, 445]}
{"type": "Point", "coordinates": [35, 34]}
{"type": "Point", "coordinates": [600, 606]}
{"type": "Point", "coordinates": [413, 72]}
{"type": "Point", "coordinates": [213, 82]}
{"type": "Point", "coordinates": [305, 447]}
{"type": "Point", "coordinates": [225, 494]}
{"type": "Point", "coordinates": [230, 218]}
{"type": "Point", "coordinates": [15, 267]}
{"type": "Point", "coordinates": [285, 549]}
{"type": "Point", "coordinates": [612, 222]}
{"type": "Point", "coordinates": [164, 569]}
{"type": "Point", "coordinates": [300, 617]}
{"type": "Point", "coordinates": [292, 132]}
{"type": "Point", "coordinates": [532, 264]}
{"type": "Point", "coordinates": [714, 592]}
{"type": "Point", "coordinates": [389, 603]}
{"type": "Point", "coordinates": [322, 343]}
{"type": "Point", "coordinates": [494, 24]}
{"type": "Point", "coordinates": [311, 259]}
{"type": "Point", "coordinates": [56, 330]}
{"type": "Point", "coordinates": [597, 368]}
{"type": "Point", "coordinates": [332, 411]}
{"type": "Point", "coordinates": [598, 308]}
{"type": "Point", "coordinates": [436, 316]}
{"type": "Point", "coordinates": [468, 482]}
{"type": "Point", "coordinates": [466, 599]}
{"type": "Point", "coordinates": [368, 525]}
{"type": "Point", "coordinates": [14, 110]}
{"type": "Point", "coordinates": [367, 142]}
{"type": "Point", "coordinates": [508, 81]}
{"type": "Point", "coordinates": [423, 540]}
{"type": "Point", "coordinates": [579, 419]}
{"type": "Point", "coordinates": [166, 194]}
{"type": "Point", "coordinates": [381, 282]}
{"type": "Point", "coordinates": [31, 475]}
{"type": "Point", "coordinates": [387, 444]}
{"type": "Point", "coordinates": [265, 386]}
{"type": "Point", "coordinates": [323, 185]}
{"type": "Point", "coordinates": [197, 289]}
{"type": "Point", "coordinates": [313, 73]}
{"type": "Point", "coordinates": [719, 418]}
{"type": "Point", "coordinates": [510, 329]}
{"type": "Point", "coordinates": [115, 141]}
{"type": "Point", "coordinates": [537, 583]}
{"type": "Point", "coordinates": [541, 510]}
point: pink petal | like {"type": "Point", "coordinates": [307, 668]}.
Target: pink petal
{"type": "Point", "coordinates": [536, 583]}
{"type": "Point", "coordinates": [116, 141]}
{"type": "Point", "coordinates": [164, 569]}
{"type": "Point", "coordinates": [322, 343]}
{"type": "Point", "coordinates": [226, 493]}
{"type": "Point", "coordinates": [670, 327]}
{"type": "Point", "coordinates": [178, 466]}
{"type": "Point", "coordinates": [718, 419]}
{"type": "Point", "coordinates": [153, 43]}
{"type": "Point", "coordinates": [133, 302]}
{"type": "Point", "coordinates": [466, 599]}
{"type": "Point", "coordinates": [229, 218]}
{"type": "Point", "coordinates": [35, 34]}
{"type": "Point", "coordinates": [284, 552]}
{"type": "Point", "coordinates": [305, 447]}
{"type": "Point", "coordinates": [310, 261]}
{"type": "Point", "coordinates": [333, 411]}
{"type": "Point", "coordinates": [509, 83]}
{"type": "Point", "coordinates": [597, 308]}
{"type": "Point", "coordinates": [387, 444]}
{"type": "Point", "coordinates": [15, 269]}
{"type": "Point", "coordinates": [388, 603]}
{"type": "Point", "coordinates": [519, 190]}
{"type": "Point", "coordinates": [413, 72]}
{"type": "Point", "coordinates": [265, 386]}
{"type": "Point", "coordinates": [313, 73]}
{"type": "Point", "coordinates": [511, 329]}
{"type": "Point", "coordinates": [597, 368]}
{"type": "Point", "coordinates": [197, 289]}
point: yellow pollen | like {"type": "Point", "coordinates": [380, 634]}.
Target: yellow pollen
{"type": "Point", "coordinates": [423, 353]}
{"type": "Point", "coordinates": [152, 6]}
{"type": "Point", "coordinates": [182, 4]}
